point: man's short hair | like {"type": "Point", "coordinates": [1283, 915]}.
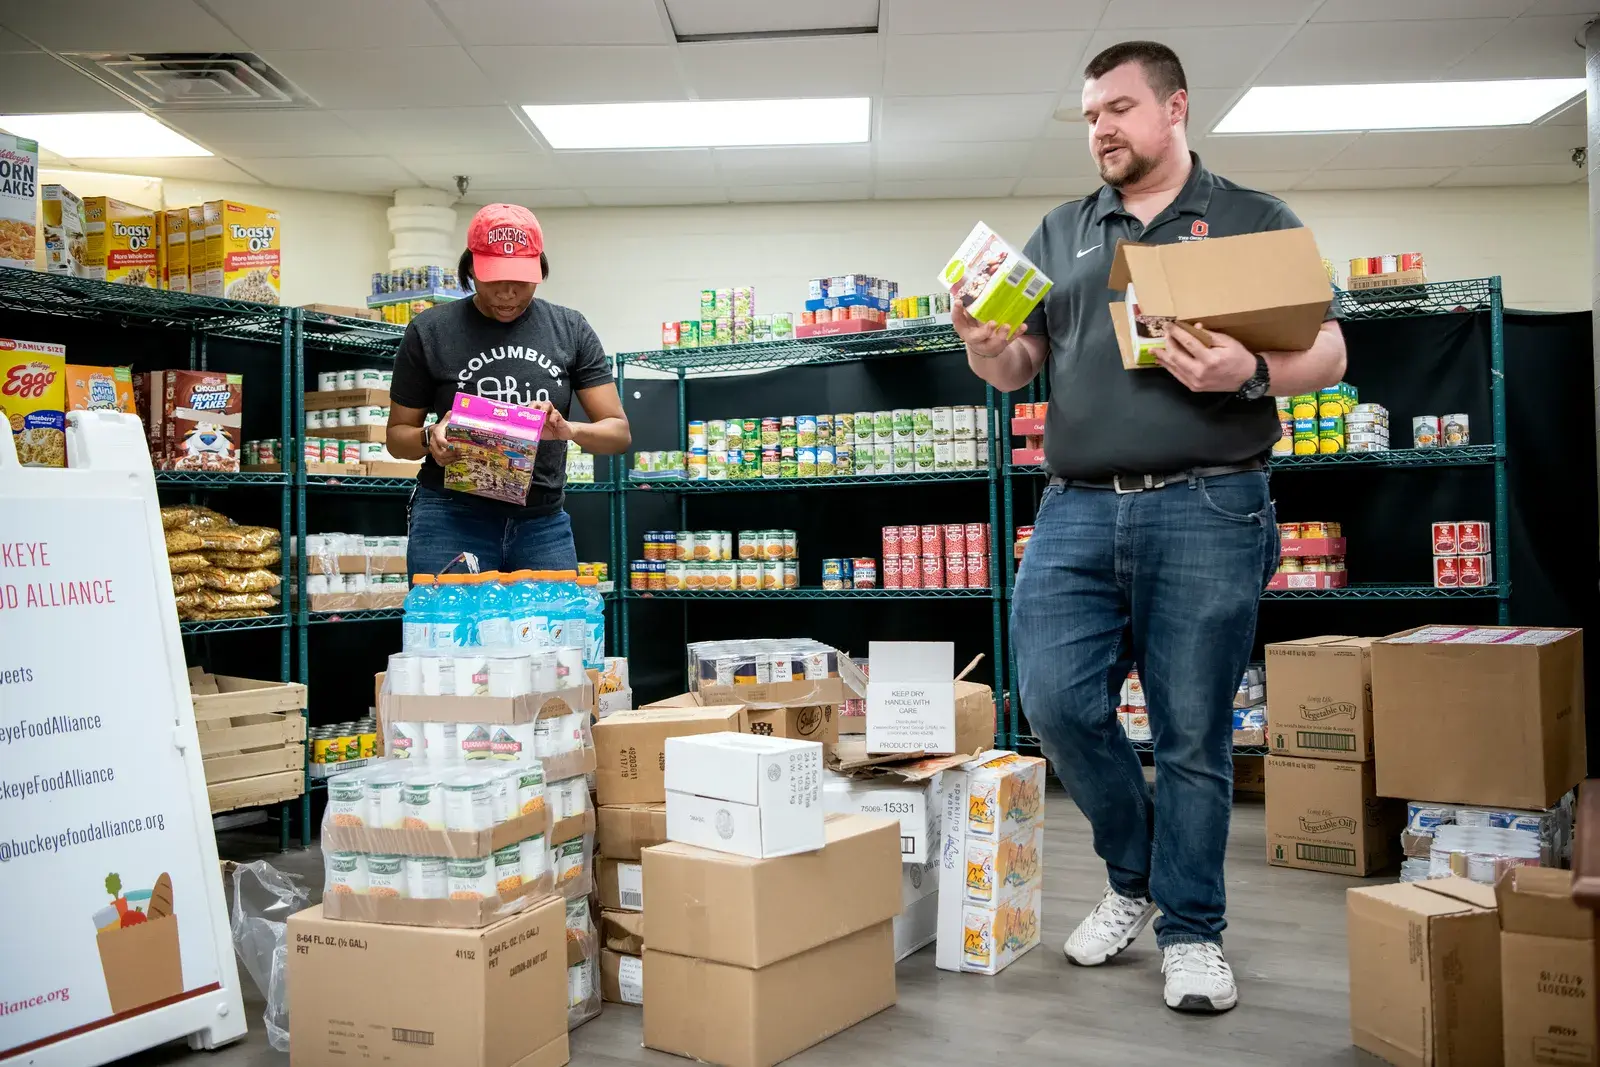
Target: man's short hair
{"type": "Point", "coordinates": [1162, 68]}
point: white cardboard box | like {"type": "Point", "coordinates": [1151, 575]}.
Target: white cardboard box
{"type": "Point", "coordinates": [915, 804]}
{"type": "Point", "coordinates": [755, 796]}
{"type": "Point", "coordinates": [621, 700]}
{"type": "Point", "coordinates": [918, 925]}
{"type": "Point", "coordinates": [911, 697]}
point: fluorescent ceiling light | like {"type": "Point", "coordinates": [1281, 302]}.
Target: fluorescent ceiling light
{"type": "Point", "coordinates": [1399, 106]}
{"type": "Point", "coordinates": [704, 123]}
{"type": "Point", "coordinates": [102, 135]}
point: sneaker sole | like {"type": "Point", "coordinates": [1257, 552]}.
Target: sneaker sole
{"type": "Point", "coordinates": [1195, 1004]}
{"type": "Point", "coordinates": [1114, 950]}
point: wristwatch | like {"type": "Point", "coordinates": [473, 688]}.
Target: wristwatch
{"type": "Point", "coordinates": [1255, 387]}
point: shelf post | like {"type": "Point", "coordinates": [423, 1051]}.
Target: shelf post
{"type": "Point", "coordinates": [1502, 491]}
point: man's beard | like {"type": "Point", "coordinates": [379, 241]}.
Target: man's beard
{"type": "Point", "coordinates": [1134, 169]}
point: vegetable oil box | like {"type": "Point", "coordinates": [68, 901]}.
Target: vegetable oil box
{"type": "Point", "coordinates": [175, 245]}
{"type": "Point", "coordinates": [121, 243]}
{"type": "Point", "coordinates": [243, 251]}
{"type": "Point", "coordinates": [19, 200]}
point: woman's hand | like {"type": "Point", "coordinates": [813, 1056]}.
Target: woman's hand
{"type": "Point", "coordinates": [556, 427]}
{"type": "Point", "coordinates": [442, 451]}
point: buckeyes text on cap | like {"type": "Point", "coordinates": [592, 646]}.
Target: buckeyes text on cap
{"type": "Point", "coordinates": [506, 242]}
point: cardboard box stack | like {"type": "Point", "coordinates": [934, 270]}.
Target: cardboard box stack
{"type": "Point", "coordinates": [1325, 811]}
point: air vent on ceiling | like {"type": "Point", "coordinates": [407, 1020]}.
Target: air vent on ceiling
{"type": "Point", "coordinates": [184, 81]}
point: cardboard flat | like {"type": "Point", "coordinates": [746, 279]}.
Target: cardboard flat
{"type": "Point", "coordinates": [687, 1001]}
{"type": "Point", "coordinates": [916, 806]}
{"type": "Point", "coordinates": [453, 844]}
{"type": "Point", "coordinates": [1319, 698]}
{"type": "Point", "coordinates": [801, 692]}
{"type": "Point", "coordinates": [622, 931]}
{"type": "Point", "coordinates": [346, 398]}
{"type": "Point", "coordinates": [522, 709]}
{"type": "Point", "coordinates": [751, 912]}
{"type": "Point", "coordinates": [619, 884]}
{"type": "Point", "coordinates": [452, 913]}
{"type": "Point", "coordinates": [1425, 973]}
{"type": "Point", "coordinates": [622, 832]}
{"type": "Point", "coordinates": [1326, 815]}
{"type": "Point", "coordinates": [759, 796]}
{"type": "Point", "coordinates": [630, 747]}
{"type": "Point", "coordinates": [1547, 971]}
{"type": "Point", "coordinates": [494, 997]}
{"type": "Point", "coordinates": [621, 978]}
{"type": "Point", "coordinates": [1250, 775]}
{"type": "Point", "coordinates": [1479, 715]}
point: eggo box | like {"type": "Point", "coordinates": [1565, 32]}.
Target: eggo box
{"type": "Point", "coordinates": [497, 445]}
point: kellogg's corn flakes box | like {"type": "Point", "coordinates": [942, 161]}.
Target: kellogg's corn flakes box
{"type": "Point", "coordinates": [243, 252]}
{"type": "Point", "coordinates": [33, 391]}
{"type": "Point", "coordinates": [19, 200]}
{"type": "Point", "coordinates": [121, 241]}
{"type": "Point", "coordinates": [175, 244]}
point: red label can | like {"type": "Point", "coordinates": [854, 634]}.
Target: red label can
{"type": "Point", "coordinates": [1374, 264]}
{"type": "Point", "coordinates": [1444, 539]}
{"type": "Point", "coordinates": [977, 570]}
{"type": "Point", "coordinates": [955, 538]}
{"type": "Point", "coordinates": [955, 570]}
{"type": "Point", "coordinates": [864, 572]}
{"type": "Point", "coordinates": [1472, 538]}
{"type": "Point", "coordinates": [931, 539]}
{"type": "Point", "coordinates": [910, 572]}
{"type": "Point", "coordinates": [1471, 572]}
{"type": "Point", "coordinates": [1446, 575]}
{"type": "Point", "coordinates": [891, 572]}
{"type": "Point", "coordinates": [977, 536]}
{"type": "Point", "coordinates": [910, 540]}
{"type": "Point", "coordinates": [891, 541]}
{"type": "Point", "coordinates": [933, 572]}
{"type": "Point", "coordinates": [1410, 260]}
{"type": "Point", "coordinates": [1022, 411]}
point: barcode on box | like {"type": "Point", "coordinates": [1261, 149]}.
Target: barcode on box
{"type": "Point", "coordinates": [1014, 278]}
{"type": "Point", "coordinates": [412, 1037]}
{"type": "Point", "coordinates": [631, 900]}
{"type": "Point", "coordinates": [1035, 284]}
{"type": "Point", "coordinates": [1325, 741]}
{"type": "Point", "coordinates": [1331, 854]}
{"type": "Point", "coordinates": [908, 846]}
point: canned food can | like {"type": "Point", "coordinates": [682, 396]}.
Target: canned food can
{"type": "Point", "coordinates": [910, 571]}
{"type": "Point", "coordinates": [844, 461]}
{"type": "Point", "coordinates": [639, 575]}
{"type": "Point", "coordinates": [677, 574]}
{"type": "Point", "coordinates": [770, 431]}
{"type": "Point", "coordinates": [658, 575]}
{"type": "Point", "coordinates": [1411, 261]}
{"type": "Point", "coordinates": [350, 452]}
{"type": "Point", "coordinates": [426, 878]}
{"type": "Point", "coordinates": [345, 872]}
{"type": "Point", "coordinates": [891, 572]}
{"type": "Point", "coordinates": [716, 434]}
{"type": "Point", "coordinates": [749, 544]}
{"type": "Point", "coordinates": [864, 572]}
{"type": "Point", "coordinates": [844, 428]}
{"type": "Point", "coordinates": [791, 544]}
{"type": "Point", "coordinates": [772, 574]}
{"type": "Point", "coordinates": [864, 423]}
{"type": "Point", "coordinates": [977, 570]}
{"type": "Point", "coordinates": [1314, 565]}
{"type": "Point", "coordinates": [1474, 572]}
{"type": "Point", "coordinates": [725, 544]}
{"type": "Point", "coordinates": [1389, 264]}
{"type": "Point", "coordinates": [1444, 539]}
{"type": "Point", "coordinates": [1288, 531]}
{"type": "Point", "coordinates": [805, 431]}
{"type": "Point", "coordinates": [964, 422]}
{"type": "Point", "coordinates": [806, 461]}
{"type": "Point", "coordinates": [977, 534]}
{"type": "Point", "coordinates": [932, 572]}
{"type": "Point", "coordinates": [1358, 267]}
{"type": "Point", "coordinates": [1425, 431]}
{"type": "Point", "coordinates": [332, 450]}
{"type": "Point", "coordinates": [964, 455]}
{"type": "Point", "coordinates": [1314, 530]}
{"type": "Point", "coordinates": [930, 540]}
{"type": "Point", "coordinates": [1472, 538]}
{"type": "Point", "coordinates": [1446, 572]}
{"type": "Point", "coordinates": [791, 574]}
{"type": "Point", "coordinates": [747, 573]}
{"type": "Point", "coordinates": [955, 570]}
{"type": "Point", "coordinates": [825, 429]}
{"type": "Point", "coordinates": [347, 379]}
{"type": "Point", "coordinates": [349, 418]}
{"type": "Point", "coordinates": [832, 568]}
{"type": "Point", "coordinates": [1455, 431]}
{"type": "Point", "coordinates": [955, 537]}
{"type": "Point", "coordinates": [771, 544]}
{"type": "Point", "coordinates": [697, 433]}
{"type": "Point", "coordinates": [944, 455]}
{"type": "Point", "coordinates": [942, 423]}
{"type": "Point", "coordinates": [827, 461]}
{"type": "Point", "coordinates": [921, 425]}
{"type": "Point", "coordinates": [891, 541]}
{"type": "Point", "coordinates": [1289, 565]}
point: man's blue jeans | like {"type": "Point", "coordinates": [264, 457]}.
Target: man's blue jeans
{"type": "Point", "coordinates": [445, 523]}
{"type": "Point", "coordinates": [1168, 581]}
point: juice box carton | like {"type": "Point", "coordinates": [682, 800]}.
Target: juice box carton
{"type": "Point", "coordinates": [33, 400]}
{"type": "Point", "coordinates": [65, 244]}
{"type": "Point", "coordinates": [19, 200]}
{"type": "Point", "coordinates": [243, 251]}
{"type": "Point", "coordinates": [993, 281]}
{"type": "Point", "coordinates": [121, 242]}
{"type": "Point", "coordinates": [497, 443]}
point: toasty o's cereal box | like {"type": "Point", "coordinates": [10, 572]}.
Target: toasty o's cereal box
{"type": "Point", "coordinates": [122, 241]}
{"type": "Point", "coordinates": [243, 251]}
{"type": "Point", "coordinates": [33, 392]}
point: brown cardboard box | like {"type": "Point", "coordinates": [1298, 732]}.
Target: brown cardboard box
{"type": "Point", "coordinates": [1425, 973]}
{"type": "Point", "coordinates": [781, 1009]}
{"type": "Point", "coordinates": [754, 912]}
{"type": "Point", "coordinates": [1326, 815]}
{"type": "Point", "coordinates": [799, 722]}
{"type": "Point", "coordinates": [802, 692]}
{"type": "Point", "coordinates": [494, 997]}
{"type": "Point", "coordinates": [623, 831]}
{"type": "Point", "coordinates": [620, 981]}
{"type": "Point", "coordinates": [1479, 715]}
{"type": "Point", "coordinates": [1250, 775]}
{"type": "Point", "coordinates": [1547, 971]}
{"type": "Point", "coordinates": [1268, 290]}
{"type": "Point", "coordinates": [1319, 698]}
{"type": "Point", "coordinates": [622, 931]}
{"type": "Point", "coordinates": [631, 747]}
{"type": "Point", "coordinates": [617, 884]}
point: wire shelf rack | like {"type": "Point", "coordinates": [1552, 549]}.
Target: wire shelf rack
{"type": "Point", "coordinates": [1427, 298]}
{"type": "Point", "coordinates": [193, 628]}
{"type": "Point", "coordinates": [798, 353]}
{"type": "Point", "coordinates": [95, 301]}
{"type": "Point", "coordinates": [756, 485]}
{"type": "Point", "coordinates": [809, 593]}
{"type": "Point", "coordinates": [221, 479]}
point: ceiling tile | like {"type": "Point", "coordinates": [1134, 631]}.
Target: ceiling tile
{"type": "Point", "coordinates": [703, 17]}
{"type": "Point", "coordinates": [943, 189]}
{"type": "Point", "coordinates": [621, 196]}
{"type": "Point", "coordinates": [581, 74]}
{"type": "Point", "coordinates": [442, 75]}
{"type": "Point", "coordinates": [804, 193]}
{"type": "Point", "coordinates": [1536, 145]}
{"type": "Point", "coordinates": [1271, 152]}
{"type": "Point", "coordinates": [36, 83]}
{"type": "Point", "coordinates": [787, 166]}
{"type": "Point", "coordinates": [200, 169]}
{"type": "Point", "coordinates": [1052, 158]}
{"type": "Point", "coordinates": [331, 23]}
{"type": "Point", "coordinates": [1013, 62]}
{"type": "Point", "coordinates": [679, 167]}
{"type": "Point", "coordinates": [912, 160]}
{"type": "Point", "coordinates": [1431, 148]}
{"type": "Point", "coordinates": [1413, 10]}
{"type": "Point", "coordinates": [1122, 13]}
{"type": "Point", "coordinates": [1561, 7]}
{"type": "Point", "coordinates": [1574, 114]}
{"type": "Point", "coordinates": [555, 22]}
{"type": "Point", "coordinates": [1064, 187]}
{"type": "Point", "coordinates": [1269, 181]}
{"type": "Point", "coordinates": [375, 175]}
{"type": "Point", "coordinates": [1529, 48]}
{"type": "Point", "coordinates": [1341, 52]}
{"type": "Point", "coordinates": [1014, 117]}
{"type": "Point", "coordinates": [443, 129]}
{"type": "Point", "coordinates": [502, 169]}
{"type": "Point", "coordinates": [10, 42]}
{"type": "Point", "coordinates": [1522, 174]}
{"type": "Point", "coordinates": [1207, 106]}
{"type": "Point", "coordinates": [119, 26]}
{"type": "Point", "coordinates": [1214, 57]}
{"type": "Point", "coordinates": [1389, 178]}
{"type": "Point", "coordinates": [534, 198]}
{"type": "Point", "coordinates": [798, 67]}
{"type": "Point", "coordinates": [1013, 16]}
{"type": "Point", "coordinates": [271, 133]}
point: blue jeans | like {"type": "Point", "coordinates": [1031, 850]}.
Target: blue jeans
{"type": "Point", "coordinates": [1168, 581]}
{"type": "Point", "coordinates": [446, 523]}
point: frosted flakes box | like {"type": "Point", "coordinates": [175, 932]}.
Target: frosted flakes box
{"type": "Point", "coordinates": [992, 280]}
{"type": "Point", "coordinates": [33, 392]}
{"type": "Point", "coordinates": [497, 444]}
{"type": "Point", "coordinates": [243, 251]}
{"type": "Point", "coordinates": [19, 200]}
{"type": "Point", "coordinates": [66, 245]}
{"type": "Point", "coordinates": [121, 242]}
{"type": "Point", "coordinates": [201, 419]}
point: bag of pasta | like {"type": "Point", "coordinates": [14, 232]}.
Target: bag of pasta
{"type": "Point", "coordinates": [189, 603]}
{"type": "Point", "coordinates": [226, 581]}
{"type": "Point", "coordinates": [244, 561]}
{"type": "Point", "coordinates": [178, 516]}
{"type": "Point", "coordinates": [187, 583]}
{"type": "Point", "coordinates": [182, 541]}
{"type": "Point", "coordinates": [206, 517]}
{"type": "Point", "coordinates": [210, 616]}
{"type": "Point", "coordinates": [187, 563]}
{"type": "Point", "coordinates": [214, 601]}
{"type": "Point", "coordinates": [239, 538]}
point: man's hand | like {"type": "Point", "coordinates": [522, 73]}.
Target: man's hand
{"type": "Point", "coordinates": [983, 339]}
{"type": "Point", "coordinates": [442, 451]}
{"type": "Point", "coordinates": [556, 427]}
{"type": "Point", "coordinates": [1220, 367]}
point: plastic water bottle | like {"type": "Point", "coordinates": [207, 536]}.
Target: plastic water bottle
{"type": "Point", "coordinates": [594, 611]}
{"type": "Point", "coordinates": [416, 632]}
{"type": "Point", "coordinates": [528, 628]}
{"type": "Point", "coordinates": [494, 611]}
{"type": "Point", "coordinates": [454, 612]}
{"type": "Point", "coordinates": [569, 628]}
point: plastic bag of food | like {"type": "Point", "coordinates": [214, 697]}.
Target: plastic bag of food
{"type": "Point", "coordinates": [213, 616]}
{"type": "Point", "coordinates": [227, 581]}
{"type": "Point", "coordinates": [214, 601]}
{"type": "Point", "coordinates": [182, 541]}
{"type": "Point", "coordinates": [187, 562]}
{"type": "Point", "coordinates": [263, 899]}
{"type": "Point", "coordinates": [245, 561]}
{"type": "Point", "coordinates": [206, 517]}
{"type": "Point", "coordinates": [177, 517]}
{"type": "Point", "coordinates": [186, 583]}
{"type": "Point", "coordinates": [189, 603]}
{"type": "Point", "coordinates": [238, 538]}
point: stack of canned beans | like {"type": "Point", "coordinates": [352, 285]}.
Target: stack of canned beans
{"type": "Point", "coordinates": [936, 556]}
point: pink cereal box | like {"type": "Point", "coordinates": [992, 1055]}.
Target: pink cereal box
{"type": "Point", "coordinates": [497, 444]}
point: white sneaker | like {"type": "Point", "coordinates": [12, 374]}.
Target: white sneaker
{"type": "Point", "coordinates": [1109, 928]}
{"type": "Point", "coordinates": [1198, 978]}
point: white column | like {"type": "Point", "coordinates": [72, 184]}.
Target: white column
{"type": "Point", "coordinates": [423, 225]}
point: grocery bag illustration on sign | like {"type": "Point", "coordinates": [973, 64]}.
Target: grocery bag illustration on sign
{"type": "Point", "coordinates": [137, 935]}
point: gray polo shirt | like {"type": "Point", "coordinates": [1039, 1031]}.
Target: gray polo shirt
{"type": "Point", "coordinates": [1106, 420]}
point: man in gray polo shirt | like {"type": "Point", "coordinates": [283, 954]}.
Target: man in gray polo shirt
{"type": "Point", "coordinates": [1156, 534]}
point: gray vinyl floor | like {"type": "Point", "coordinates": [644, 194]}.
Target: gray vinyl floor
{"type": "Point", "coordinates": [1286, 944]}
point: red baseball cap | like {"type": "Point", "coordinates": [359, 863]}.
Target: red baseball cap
{"type": "Point", "coordinates": [506, 242]}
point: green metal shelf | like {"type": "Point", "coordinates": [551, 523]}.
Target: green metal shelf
{"type": "Point", "coordinates": [1383, 592]}
{"type": "Point", "coordinates": [771, 355]}
{"type": "Point", "coordinates": [1463, 456]}
{"type": "Point", "coordinates": [214, 626]}
{"type": "Point", "coordinates": [753, 485]}
{"type": "Point", "coordinates": [337, 483]}
{"type": "Point", "coordinates": [1407, 301]}
{"type": "Point", "coordinates": [1026, 469]}
{"type": "Point", "coordinates": [589, 487]}
{"type": "Point", "coordinates": [810, 593]}
{"type": "Point", "coordinates": [82, 298]}
{"type": "Point", "coordinates": [221, 479]}
{"type": "Point", "coordinates": [343, 335]}
{"type": "Point", "coordinates": [361, 615]}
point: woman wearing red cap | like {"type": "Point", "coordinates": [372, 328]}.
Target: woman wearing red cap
{"type": "Point", "coordinates": [505, 345]}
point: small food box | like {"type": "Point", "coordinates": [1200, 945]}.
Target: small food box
{"type": "Point", "coordinates": [992, 280]}
{"type": "Point", "coordinates": [755, 796]}
{"type": "Point", "coordinates": [497, 443]}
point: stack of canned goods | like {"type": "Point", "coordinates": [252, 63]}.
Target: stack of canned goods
{"type": "Point", "coordinates": [919, 307]}
{"type": "Point", "coordinates": [859, 572]}
{"type": "Point", "coordinates": [708, 559]}
{"type": "Point", "coordinates": [1366, 428]}
{"type": "Point", "coordinates": [1294, 536]}
{"type": "Point", "coordinates": [1315, 423]}
{"type": "Point", "coordinates": [1462, 555]}
{"type": "Point", "coordinates": [1441, 431]}
{"type": "Point", "coordinates": [342, 381]}
{"type": "Point", "coordinates": [1394, 263]}
{"type": "Point", "coordinates": [347, 418]}
{"type": "Point", "coordinates": [936, 556]}
{"type": "Point", "coordinates": [267, 452]}
{"type": "Point", "coordinates": [341, 746]}
{"type": "Point", "coordinates": [413, 279]}
{"type": "Point", "coordinates": [343, 450]}
{"type": "Point", "coordinates": [656, 465]}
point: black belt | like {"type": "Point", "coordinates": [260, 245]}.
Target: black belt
{"type": "Point", "coordinates": [1138, 483]}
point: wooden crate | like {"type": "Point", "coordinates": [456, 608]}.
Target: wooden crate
{"type": "Point", "coordinates": [252, 739]}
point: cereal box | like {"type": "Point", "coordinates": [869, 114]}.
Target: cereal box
{"type": "Point", "coordinates": [242, 251]}
{"type": "Point", "coordinates": [498, 444]}
{"type": "Point", "coordinates": [100, 389]}
{"type": "Point", "coordinates": [19, 200]}
{"type": "Point", "coordinates": [33, 400]}
{"type": "Point", "coordinates": [196, 233]}
{"type": "Point", "coordinates": [993, 281]}
{"type": "Point", "coordinates": [66, 247]}
{"type": "Point", "coordinates": [121, 242]}
{"type": "Point", "coordinates": [201, 420]}
{"type": "Point", "coordinates": [175, 244]}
